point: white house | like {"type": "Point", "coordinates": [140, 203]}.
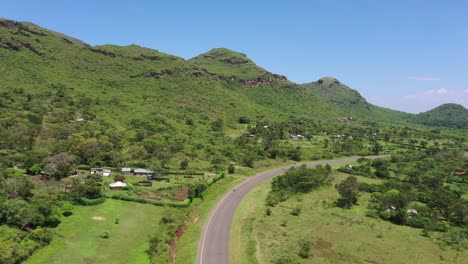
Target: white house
{"type": "Point", "coordinates": [117, 185]}
{"type": "Point", "coordinates": [126, 170]}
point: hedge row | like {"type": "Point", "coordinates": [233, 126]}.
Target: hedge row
{"type": "Point", "coordinates": [185, 203]}
{"type": "Point", "coordinates": [89, 202]}
{"type": "Point", "coordinates": [215, 179]}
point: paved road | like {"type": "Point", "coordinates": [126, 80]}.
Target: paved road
{"type": "Point", "coordinates": [213, 245]}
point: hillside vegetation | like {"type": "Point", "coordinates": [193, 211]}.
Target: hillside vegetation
{"type": "Point", "coordinates": [447, 115]}
{"type": "Point", "coordinates": [67, 107]}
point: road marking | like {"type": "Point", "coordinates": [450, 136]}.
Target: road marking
{"type": "Point", "coordinates": [211, 217]}
{"type": "Point", "coordinates": [277, 172]}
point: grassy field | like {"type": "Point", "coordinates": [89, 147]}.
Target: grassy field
{"type": "Point", "coordinates": [336, 235]}
{"type": "Point", "coordinates": [78, 236]}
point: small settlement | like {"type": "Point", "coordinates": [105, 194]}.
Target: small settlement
{"type": "Point", "coordinates": [149, 174]}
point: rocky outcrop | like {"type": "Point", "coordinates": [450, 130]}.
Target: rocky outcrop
{"type": "Point", "coordinates": [8, 23]}
{"type": "Point", "coordinates": [258, 82]}
{"type": "Point", "coordinates": [328, 82]}
{"type": "Point", "coordinates": [151, 58]}
{"type": "Point", "coordinates": [103, 52]}
{"type": "Point", "coordinates": [16, 45]}
{"type": "Point", "coordinates": [268, 79]}
{"type": "Point", "coordinates": [153, 74]}
{"type": "Point", "coordinates": [235, 61]}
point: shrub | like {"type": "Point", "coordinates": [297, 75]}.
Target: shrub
{"type": "Point", "coordinates": [89, 202]}
{"type": "Point", "coordinates": [296, 211]}
{"type": "Point", "coordinates": [231, 168]}
{"type": "Point", "coordinates": [67, 209]}
{"type": "Point", "coordinates": [244, 120]}
{"type": "Point", "coordinates": [119, 177]}
{"type": "Point", "coordinates": [305, 249]}
{"type": "Point", "coordinates": [104, 235]}
{"type": "Point", "coordinates": [42, 235]}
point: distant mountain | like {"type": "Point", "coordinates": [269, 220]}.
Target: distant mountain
{"type": "Point", "coordinates": [446, 115]}
{"type": "Point", "coordinates": [57, 93]}
{"type": "Point", "coordinates": [337, 93]}
{"type": "Point", "coordinates": [350, 101]}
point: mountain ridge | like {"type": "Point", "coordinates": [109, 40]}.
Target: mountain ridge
{"type": "Point", "coordinates": [220, 66]}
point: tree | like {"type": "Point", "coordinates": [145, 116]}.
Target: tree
{"type": "Point", "coordinates": [349, 192]}
{"type": "Point", "coordinates": [59, 165]}
{"type": "Point", "coordinates": [376, 148]}
{"type": "Point", "coordinates": [231, 168]}
{"type": "Point", "coordinates": [423, 143]}
{"type": "Point", "coordinates": [119, 177]}
{"type": "Point", "coordinates": [217, 125]}
{"type": "Point", "coordinates": [243, 120]}
{"type": "Point", "coordinates": [184, 164]}
{"type": "Point", "coordinates": [35, 169]}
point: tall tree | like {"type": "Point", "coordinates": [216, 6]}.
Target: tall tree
{"type": "Point", "coordinates": [349, 192]}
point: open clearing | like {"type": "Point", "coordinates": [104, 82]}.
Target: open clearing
{"type": "Point", "coordinates": [336, 235]}
{"type": "Point", "coordinates": [78, 236]}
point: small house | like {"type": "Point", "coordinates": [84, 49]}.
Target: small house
{"type": "Point", "coordinates": [143, 172]}
{"type": "Point", "coordinates": [106, 173]}
{"type": "Point", "coordinates": [411, 211]}
{"type": "Point", "coordinates": [117, 185]}
{"type": "Point", "coordinates": [390, 208]}
{"type": "Point", "coordinates": [74, 171]}
{"type": "Point", "coordinates": [126, 170]}
{"type": "Point", "coordinates": [96, 170]}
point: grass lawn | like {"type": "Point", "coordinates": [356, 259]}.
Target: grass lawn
{"type": "Point", "coordinates": [336, 235]}
{"type": "Point", "coordinates": [78, 236]}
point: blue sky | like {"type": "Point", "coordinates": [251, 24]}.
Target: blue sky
{"type": "Point", "coordinates": [407, 55]}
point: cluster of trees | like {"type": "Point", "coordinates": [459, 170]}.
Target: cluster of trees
{"type": "Point", "coordinates": [29, 211]}
{"type": "Point", "coordinates": [424, 192]}
{"type": "Point", "coordinates": [297, 180]}
{"type": "Point", "coordinates": [27, 214]}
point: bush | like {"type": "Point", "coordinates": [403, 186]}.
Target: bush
{"type": "Point", "coordinates": [83, 167]}
{"type": "Point", "coordinates": [144, 183]}
{"type": "Point", "coordinates": [67, 209]}
{"type": "Point", "coordinates": [305, 249]}
{"type": "Point", "coordinates": [42, 235]}
{"type": "Point", "coordinates": [296, 211]}
{"type": "Point", "coordinates": [119, 177]}
{"type": "Point", "coordinates": [231, 168]}
{"type": "Point", "coordinates": [104, 235]}
{"type": "Point", "coordinates": [244, 120]}
{"type": "Point", "coordinates": [90, 202]}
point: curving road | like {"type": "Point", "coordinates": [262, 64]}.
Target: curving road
{"type": "Point", "coordinates": [213, 244]}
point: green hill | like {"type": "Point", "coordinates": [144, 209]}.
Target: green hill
{"type": "Point", "coordinates": [350, 102]}
{"type": "Point", "coordinates": [111, 105]}
{"type": "Point", "coordinates": [446, 115]}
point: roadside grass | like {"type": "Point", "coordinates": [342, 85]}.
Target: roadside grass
{"type": "Point", "coordinates": [336, 235]}
{"type": "Point", "coordinates": [78, 236]}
